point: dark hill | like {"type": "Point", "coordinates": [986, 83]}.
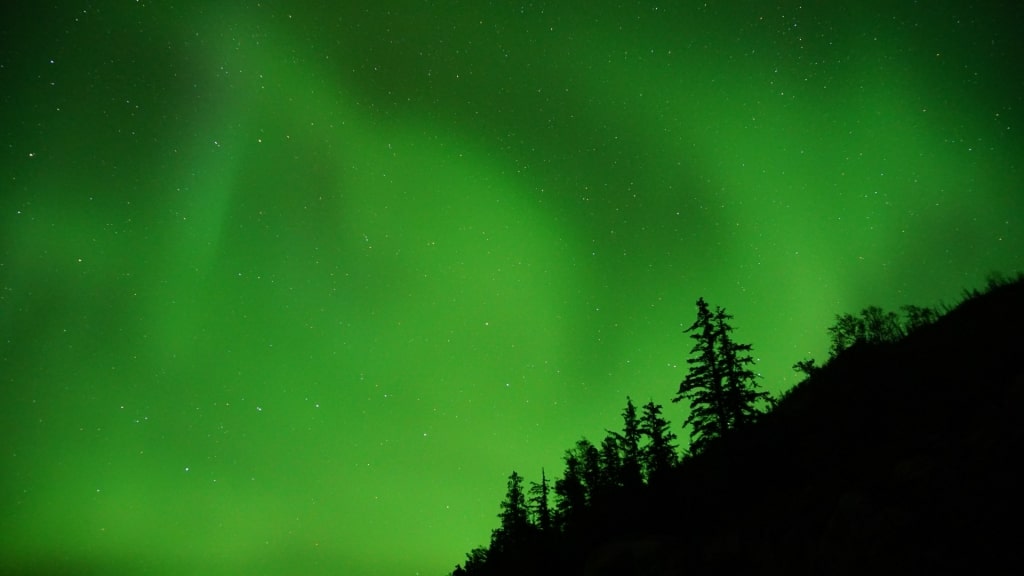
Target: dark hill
{"type": "Point", "coordinates": [901, 457]}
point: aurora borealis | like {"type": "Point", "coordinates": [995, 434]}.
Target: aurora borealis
{"type": "Point", "coordinates": [292, 287]}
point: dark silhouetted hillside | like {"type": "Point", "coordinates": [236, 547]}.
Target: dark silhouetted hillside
{"type": "Point", "coordinates": [899, 457]}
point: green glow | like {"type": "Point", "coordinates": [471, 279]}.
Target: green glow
{"type": "Point", "coordinates": [292, 290]}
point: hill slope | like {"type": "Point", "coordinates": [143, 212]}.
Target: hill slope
{"type": "Point", "coordinates": [902, 457]}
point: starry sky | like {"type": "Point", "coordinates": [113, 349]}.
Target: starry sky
{"type": "Point", "coordinates": [292, 287]}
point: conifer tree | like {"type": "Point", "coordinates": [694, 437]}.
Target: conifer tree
{"type": "Point", "coordinates": [539, 503]}
{"type": "Point", "coordinates": [739, 381]}
{"type": "Point", "coordinates": [629, 445]}
{"type": "Point", "coordinates": [590, 467]}
{"type": "Point", "coordinates": [570, 493]}
{"type": "Point", "coordinates": [658, 453]}
{"type": "Point", "coordinates": [611, 463]}
{"type": "Point", "coordinates": [476, 563]}
{"type": "Point", "coordinates": [720, 386]}
{"type": "Point", "coordinates": [515, 520]}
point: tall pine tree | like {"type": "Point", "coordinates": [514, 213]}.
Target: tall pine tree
{"type": "Point", "coordinates": [515, 519]}
{"type": "Point", "coordinates": [611, 463]}
{"type": "Point", "coordinates": [570, 493]}
{"type": "Point", "coordinates": [659, 453]}
{"type": "Point", "coordinates": [629, 445]}
{"type": "Point", "coordinates": [590, 467]}
{"type": "Point", "coordinates": [539, 503]}
{"type": "Point", "coordinates": [720, 386]}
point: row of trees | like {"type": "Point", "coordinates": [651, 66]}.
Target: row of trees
{"type": "Point", "coordinates": [641, 453]}
{"type": "Point", "coordinates": [722, 391]}
{"type": "Point", "coordinates": [877, 326]}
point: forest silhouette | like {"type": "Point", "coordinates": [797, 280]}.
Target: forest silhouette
{"type": "Point", "coordinates": [900, 453]}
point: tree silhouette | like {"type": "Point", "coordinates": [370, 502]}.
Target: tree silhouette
{"type": "Point", "coordinates": [658, 454]}
{"type": "Point", "coordinates": [703, 383]}
{"type": "Point", "coordinates": [590, 468]}
{"type": "Point", "coordinates": [476, 559]}
{"type": "Point", "coordinates": [874, 326]}
{"type": "Point", "coordinates": [515, 520]}
{"type": "Point", "coordinates": [721, 388]}
{"type": "Point", "coordinates": [916, 317]}
{"type": "Point", "coordinates": [539, 503]}
{"type": "Point", "coordinates": [570, 493]}
{"type": "Point", "coordinates": [611, 463]}
{"type": "Point", "coordinates": [808, 367]}
{"type": "Point", "coordinates": [847, 331]}
{"type": "Point", "coordinates": [631, 474]}
{"type": "Point", "coordinates": [742, 396]}
{"type": "Point", "coordinates": [881, 326]}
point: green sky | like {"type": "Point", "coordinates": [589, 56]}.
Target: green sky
{"type": "Point", "coordinates": [291, 287]}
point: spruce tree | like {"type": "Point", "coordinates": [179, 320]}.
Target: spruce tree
{"type": "Point", "coordinates": [539, 503]}
{"type": "Point", "coordinates": [515, 520]}
{"type": "Point", "coordinates": [739, 381]}
{"type": "Point", "coordinates": [570, 493]}
{"type": "Point", "coordinates": [720, 386]}
{"type": "Point", "coordinates": [590, 467]}
{"type": "Point", "coordinates": [611, 463]}
{"type": "Point", "coordinates": [629, 445]}
{"type": "Point", "coordinates": [658, 453]}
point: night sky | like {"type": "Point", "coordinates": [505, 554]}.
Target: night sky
{"type": "Point", "coordinates": [292, 287]}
